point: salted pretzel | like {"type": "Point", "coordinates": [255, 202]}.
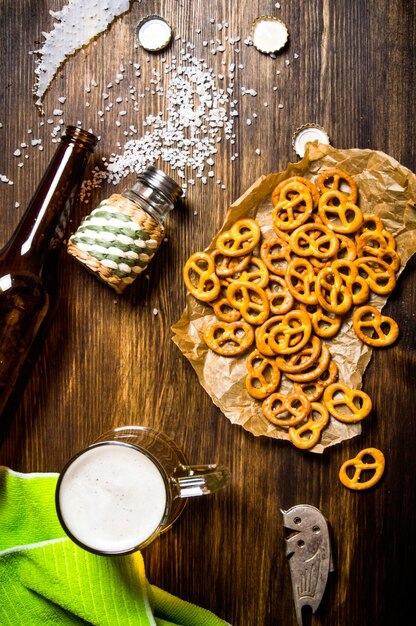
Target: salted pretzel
{"type": "Point", "coordinates": [373, 223]}
{"type": "Point", "coordinates": [347, 251]}
{"type": "Point", "coordinates": [357, 285]}
{"type": "Point", "coordinates": [375, 243]}
{"type": "Point", "coordinates": [242, 238]}
{"type": "Point", "coordinates": [331, 293]}
{"type": "Point", "coordinates": [255, 272]}
{"type": "Point", "coordinates": [339, 214]}
{"type": "Point", "coordinates": [357, 403]}
{"type": "Point", "coordinates": [250, 299]}
{"type": "Point", "coordinates": [200, 277]}
{"type": "Point", "coordinates": [291, 334]}
{"type": "Point", "coordinates": [302, 359]}
{"type": "Point", "coordinates": [263, 375]}
{"type": "Point", "coordinates": [275, 253]}
{"type": "Point", "coordinates": [300, 179]}
{"type": "Point", "coordinates": [324, 323]}
{"type": "Point", "coordinates": [377, 466]}
{"type": "Point", "coordinates": [314, 370]}
{"type": "Point", "coordinates": [229, 339]}
{"type": "Point", "coordinates": [227, 265]}
{"type": "Point", "coordinates": [314, 240]}
{"type": "Point", "coordinates": [280, 298]}
{"type": "Point", "coordinates": [286, 411]}
{"type": "Point", "coordinates": [384, 330]}
{"type": "Point", "coordinates": [300, 278]}
{"type": "Point", "coordinates": [380, 277]}
{"type": "Point", "coordinates": [224, 311]}
{"type": "Point", "coordinates": [314, 389]}
{"type": "Point", "coordinates": [294, 207]}
{"type": "Point", "coordinates": [262, 335]}
{"type": "Point", "coordinates": [307, 435]}
{"type": "Point", "coordinates": [336, 179]}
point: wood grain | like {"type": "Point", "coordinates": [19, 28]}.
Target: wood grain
{"type": "Point", "coordinates": [109, 360]}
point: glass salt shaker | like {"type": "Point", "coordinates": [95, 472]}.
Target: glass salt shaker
{"type": "Point", "coordinates": [119, 238]}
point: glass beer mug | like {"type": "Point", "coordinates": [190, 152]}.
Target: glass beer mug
{"type": "Point", "coordinates": [118, 494]}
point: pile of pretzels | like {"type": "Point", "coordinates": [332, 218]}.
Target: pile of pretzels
{"type": "Point", "coordinates": [281, 297]}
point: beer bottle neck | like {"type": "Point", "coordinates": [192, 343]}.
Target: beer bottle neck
{"type": "Point", "coordinates": [43, 222]}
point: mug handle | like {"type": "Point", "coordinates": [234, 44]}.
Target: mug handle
{"type": "Point", "coordinates": [200, 480]}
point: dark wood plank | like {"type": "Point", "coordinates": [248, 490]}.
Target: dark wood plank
{"type": "Point", "coordinates": [110, 361]}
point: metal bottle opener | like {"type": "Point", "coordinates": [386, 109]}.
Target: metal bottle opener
{"type": "Point", "coordinates": [308, 550]}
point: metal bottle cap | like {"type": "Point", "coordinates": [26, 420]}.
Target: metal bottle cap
{"type": "Point", "coordinates": [153, 33]}
{"type": "Point", "coordinates": [155, 178]}
{"type": "Point", "coordinates": [269, 34]}
{"type": "Point", "coordinates": [306, 133]}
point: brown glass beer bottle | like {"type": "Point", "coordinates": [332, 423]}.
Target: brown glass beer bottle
{"type": "Point", "coordinates": [27, 262]}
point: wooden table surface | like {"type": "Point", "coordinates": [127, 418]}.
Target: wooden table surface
{"type": "Point", "coordinates": [110, 360]}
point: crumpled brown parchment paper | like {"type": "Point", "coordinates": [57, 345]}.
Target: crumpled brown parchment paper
{"type": "Point", "coordinates": [386, 188]}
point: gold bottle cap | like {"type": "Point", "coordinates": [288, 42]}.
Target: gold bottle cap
{"type": "Point", "coordinates": [153, 33]}
{"type": "Point", "coordinates": [306, 133]}
{"type": "Point", "coordinates": [269, 34]}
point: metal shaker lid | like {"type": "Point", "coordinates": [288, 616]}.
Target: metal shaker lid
{"type": "Point", "coordinates": [154, 177]}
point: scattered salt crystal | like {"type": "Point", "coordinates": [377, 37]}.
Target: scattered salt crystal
{"type": "Point", "coordinates": [16, 205]}
{"type": "Point", "coordinates": [258, 151]}
{"type": "Point", "coordinates": [248, 121]}
{"type": "Point", "coordinates": [155, 311]}
{"type": "Point", "coordinates": [17, 153]}
{"type": "Point", "coordinates": [62, 99]}
{"type": "Point", "coordinates": [57, 112]}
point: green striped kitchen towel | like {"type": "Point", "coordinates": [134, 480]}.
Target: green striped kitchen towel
{"type": "Point", "coordinates": [46, 579]}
